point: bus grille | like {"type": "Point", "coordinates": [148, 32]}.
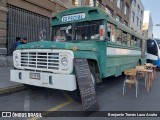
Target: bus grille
{"type": "Point", "coordinates": [45, 60]}
{"type": "Point", "coordinates": [40, 60]}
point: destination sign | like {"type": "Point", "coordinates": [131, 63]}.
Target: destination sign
{"type": "Point", "coordinates": [73, 17]}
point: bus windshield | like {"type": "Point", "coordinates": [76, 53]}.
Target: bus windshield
{"type": "Point", "coordinates": [77, 31]}
{"type": "Point", "coordinates": [158, 42]}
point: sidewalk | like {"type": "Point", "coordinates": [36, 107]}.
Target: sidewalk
{"type": "Point", "coordinates": [7, 86]}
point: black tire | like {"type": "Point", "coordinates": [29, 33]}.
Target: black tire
{"type": "Point", "coordinates": [149, 61]}
{"type": "Point", "coordinates": [76, 93]}
{"type": "Point", "coordinates": [139, 62]}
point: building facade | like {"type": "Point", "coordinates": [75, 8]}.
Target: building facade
{"type": "Point", "coordinates": [136, 19]}
{"type": "Point", "coordinates": [25, 18]}
{"type": "Point", "coordinates": [147, 25]}
{"type": "Point", "coordinates": [119, 9]}
{"type": "Point", "coordinates": [3, 33]}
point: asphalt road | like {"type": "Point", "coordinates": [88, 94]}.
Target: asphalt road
{"type": "Point", "coordinates": [109, 94]}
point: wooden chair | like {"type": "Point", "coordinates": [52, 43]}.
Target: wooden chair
{"type": "Point", "coordinates": [149, 64]}
{"type": "Point", "coordinates": [141, 74]}
{"type": "Point", "coordinates": [130, 79]}
{"type": "Point", "coordinates": [140, 67]}
{"type": "Point", "coordinates": [149, 67]}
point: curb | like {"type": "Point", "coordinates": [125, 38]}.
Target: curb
{"type": "Point", "coordinates": [12, 89]}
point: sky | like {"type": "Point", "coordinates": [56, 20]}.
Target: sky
{"type": "Point", "coordinates": [154, 7]}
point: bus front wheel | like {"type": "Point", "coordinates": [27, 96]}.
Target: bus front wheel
{"type": "Point", "coordinates": [76, 93]}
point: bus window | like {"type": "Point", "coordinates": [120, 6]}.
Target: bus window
{"type": "Point", "coordinates": [133, 41]}
{"type": "Point", "coordinates": [111, 32]}
{"type": "Point", "coordinates": [152, 47]}
{"type": "Point", "coordinates": [124, 38]}
{"type": "Point", "coordinates": [128, 39]}
{"type": "Point", "coordinates": [158, 42]}
{"type": "Point", "coordinates": [77, 31]}
{"type": "Point", "coordinates": [87, 30]}
{"type": "Point", "coordinates": [138, 42]}
{"type": "Point", "coordinates": [119, 36]}
{"type": "Point", "coordinates": [62, 33]}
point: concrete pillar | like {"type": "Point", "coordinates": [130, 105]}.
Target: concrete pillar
{"type": "Point", "coordinates": [3, 33]}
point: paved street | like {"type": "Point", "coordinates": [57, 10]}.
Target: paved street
{"type": "Point", "coordinates": [4, 76]}
{"type": "Point", "coordinates": [109, 95]}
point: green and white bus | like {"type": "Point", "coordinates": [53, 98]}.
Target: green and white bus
{"type": "Point", "coordinates": [82, 32]}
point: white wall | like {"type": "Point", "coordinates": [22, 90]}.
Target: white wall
{"type": "Point", "coordinates": [133, 25]}
{"type": "Point", "coordinates": [148, 24]}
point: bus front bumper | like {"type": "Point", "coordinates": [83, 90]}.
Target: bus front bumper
{"type": "Point", "coordinates": [43, 79]}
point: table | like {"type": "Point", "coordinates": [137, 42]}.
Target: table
{"type": "Point", "coordinates": [152, 67]}
{"type": "Point", "coordinates": [148, 77]}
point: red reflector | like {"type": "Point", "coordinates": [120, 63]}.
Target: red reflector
{"type": "Point", "coordinates": [101, 32]}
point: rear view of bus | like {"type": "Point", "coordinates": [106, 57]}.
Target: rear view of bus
{"type": "Point", "coordinates": [153, 51]}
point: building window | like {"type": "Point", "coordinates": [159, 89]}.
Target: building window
{"type": "Point", "coordinates": [91, 3]}
{"type": "Point", "coordinates": [137, 21]}
{"type": "Point", "coordinates": [75, 2]}
{"type": "Point", "coordinates": [125, 9]}
{"type": "Point", "coordinates": [119, 4]}
{"type": "Point", "coordinates": [112, 1]}
{"type": "Point", "coordinates": [133, 16]}
{"type": "Point", "coordinates": [138, 9]}
{"type": "Point", "coordinates": [140, 26]}
{"type": "Point", "coordinates": [109, 11]}
{"type": "Point", "coordinates": [99, 3]}
{"type": "Point", "coordinates": [125, 23]}
{"type": "Point", "coordinates": [134, 3]}
{"type": "Point", "coordinates": [141, 13]}
{"type": "Point", "coordinates": [118, 18]}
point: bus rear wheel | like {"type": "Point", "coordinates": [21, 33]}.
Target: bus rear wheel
{"type": "Point", "coordinates": [149, 61]}
{"type": "Point", "coordinates": [139, 62]}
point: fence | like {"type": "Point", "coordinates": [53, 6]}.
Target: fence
{"type": "Point", "coordinates": [23, 23]}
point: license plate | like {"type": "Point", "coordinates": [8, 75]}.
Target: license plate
{"type": "Point", "coordinates": [35, 76]}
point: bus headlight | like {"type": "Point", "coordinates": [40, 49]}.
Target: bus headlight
{"type": "Point", "coordinates": [64, 61]}
{"type": "Point", "coordinates": [16, 58]}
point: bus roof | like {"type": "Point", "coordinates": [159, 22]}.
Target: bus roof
{"type": "Point", "coordinates": [92, 13]}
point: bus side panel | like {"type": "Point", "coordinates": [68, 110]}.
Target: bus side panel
{"type": "Point", "coordinates": [156, 62]}
{"type": "Point", "coordinates": [117, 64]}
{"type": "Point", "coordinates": [102, 45]}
